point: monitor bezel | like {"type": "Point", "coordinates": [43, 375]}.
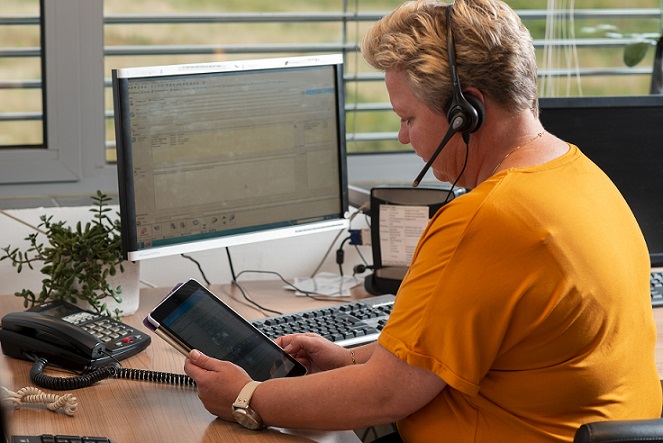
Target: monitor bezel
{"type": "Point", "coordinates": [126, 190]}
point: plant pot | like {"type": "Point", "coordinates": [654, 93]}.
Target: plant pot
{"type": "Point", "coordinates": [130, 282]}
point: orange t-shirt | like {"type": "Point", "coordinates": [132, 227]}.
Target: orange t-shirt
{"type": "Point", "coordinates": [529, 296]}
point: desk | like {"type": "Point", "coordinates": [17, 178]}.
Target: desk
{"type": "Point", "coordinates": [130, 411]}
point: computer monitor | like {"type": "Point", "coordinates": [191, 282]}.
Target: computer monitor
{"type": "Point", "coordinates": [220, 154]}
{"type": "Point", "coordinates": [623, 136]}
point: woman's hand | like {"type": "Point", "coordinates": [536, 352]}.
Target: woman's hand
{"type": "Point", "coordinates": [219, 382]}
{"type": "Point", "coordinates": [315, 352]}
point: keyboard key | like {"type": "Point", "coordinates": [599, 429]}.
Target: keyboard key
{"type": "Point", "coordinates": [656, 287]}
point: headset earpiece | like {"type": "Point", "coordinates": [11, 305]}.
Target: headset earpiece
{"type": "Point", "coordinates": [468, 108]}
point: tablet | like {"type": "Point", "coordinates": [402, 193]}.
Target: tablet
{"type": "Point", "coordinates": [192, 317]}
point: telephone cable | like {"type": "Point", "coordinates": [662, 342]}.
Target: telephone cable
{"type": "Point", "coordinates": [112, 370]}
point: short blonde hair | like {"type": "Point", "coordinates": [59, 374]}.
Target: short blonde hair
{"type": "Point", "coordinates": [494, 51]}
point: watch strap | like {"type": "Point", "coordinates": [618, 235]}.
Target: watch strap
{"type": "Point", "coordinates": [244, 397]}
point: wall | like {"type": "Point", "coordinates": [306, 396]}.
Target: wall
{"type": "Point", "coordinates": [294, 257]}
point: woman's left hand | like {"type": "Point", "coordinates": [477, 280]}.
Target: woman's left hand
{"type": "Point", "coordinates": [219, 382]}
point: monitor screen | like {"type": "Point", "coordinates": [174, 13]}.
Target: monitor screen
{"type": "Point", "coordinates": [220, 154]}
{"type": "Point", "coordinates": [622, 135]}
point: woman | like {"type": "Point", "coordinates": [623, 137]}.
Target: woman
{"type": "Point", "coordinates": [526, 310]}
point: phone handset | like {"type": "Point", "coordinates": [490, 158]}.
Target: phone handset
{"type": "Point", "coordinates": [53, 329]}
{"type": "Point", "coordinates": [86, 343]}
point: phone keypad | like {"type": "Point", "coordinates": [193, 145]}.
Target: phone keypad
{"type": "Point", "coordinates": [105, 329]}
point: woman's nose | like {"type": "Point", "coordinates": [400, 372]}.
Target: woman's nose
{"type": "Point", "coordinates": [403, 135]}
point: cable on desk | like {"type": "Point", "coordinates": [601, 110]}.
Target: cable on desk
{"type": "Point", "coordinates": [309, 294]}
{"type": "Point", "coordinates": [241, 289]}
{"type": "Point", "coordinates": [30, 395]}
{"type": "Point", "coordinates": [235, 281]}
{"type": "Point", "coordinates": [154, 376]}
{"type": "Point", "coordinates": [112, 370]}
{"type": "Point", "coordinates": [68, 383]}
{"type": "Point", "coordinates": [151, 376]}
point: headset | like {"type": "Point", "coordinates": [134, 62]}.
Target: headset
{"type": "Point", "coordinates": [468, 108]}
{"type": "Point", "coordinates": [465, 113]}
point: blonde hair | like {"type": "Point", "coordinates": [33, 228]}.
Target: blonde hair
{"type": "Point", "coordinates": [494, 51]}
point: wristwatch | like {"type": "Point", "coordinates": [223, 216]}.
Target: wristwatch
{"type": "Point", "coordinates": [242, 412]}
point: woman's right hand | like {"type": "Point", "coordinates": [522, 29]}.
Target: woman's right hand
{"type": "Point", "coordinates": [315, 352]}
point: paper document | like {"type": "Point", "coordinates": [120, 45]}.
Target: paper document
{"type": "Point", "coordinates": [326, 283]}
{"type": "Point", "coordinates": [400, 229]}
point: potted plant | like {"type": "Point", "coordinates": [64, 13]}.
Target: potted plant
{"type": "Point", "coordinates": [79, 264]}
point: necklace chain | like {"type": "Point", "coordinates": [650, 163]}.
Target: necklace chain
{"type": "Point", "coordinates": [540, 134]}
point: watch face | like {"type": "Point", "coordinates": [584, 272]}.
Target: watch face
{"type": "Point", "coordinates": [247, 418]}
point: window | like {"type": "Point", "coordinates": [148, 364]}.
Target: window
{"type": "Point", "coordinates": [71, 157]}
{"type": "Point", "coordinates": [21, 75]}
{"type": "Point", "coordinates": [66, 140]}
{"type": "Point", "coordinates": [579, 47]}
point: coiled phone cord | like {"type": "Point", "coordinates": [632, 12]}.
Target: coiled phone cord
{"type": "Point", "coordinates": [112, 370]}
{"type": "Point", "coordinates": [31, 395]}
{"type": "Point", "coordinates": [154, 376]}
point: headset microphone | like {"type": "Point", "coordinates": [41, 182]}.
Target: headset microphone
{"type": "Point", "coordinates": [453, 129]}
{"type": "Point", "coordinates": [465, 113]}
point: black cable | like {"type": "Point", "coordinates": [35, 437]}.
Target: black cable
{"type": "Point", "coordinates": [361, 255]}
{"type": "Point", "coordinates": [360, 269]}
{"type": "Point", "coordinates": [112, 370]}
{"type": "Point", "coordinates": [154, 376]}
{"type": "Point", "coordinates": [309, 294]}
{"type": "Point", "coordinates": [200, 268]}
{"type": "Point", "coordinates": [466, 138]}
{"type": "Point", "coordinates": [236, 283]}
{"type": "Point", "coordinates": [331, 246]}
{"type": "Point", "coordinates": [241, 289]}
{"type": "Point", "coordinates": [340, 255]}
{"type": "Point", "coordinates": [253, 302]}
{"type": "Point", "coordinates": [230, 264]}
{"type": "Point", "coordinates": [68, 383]}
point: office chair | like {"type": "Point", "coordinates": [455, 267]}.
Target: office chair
{"type": "Point", "coordinates": [621, 431]}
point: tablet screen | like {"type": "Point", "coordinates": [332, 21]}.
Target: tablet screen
{"type": "Point", "coordinates": [198, 319]}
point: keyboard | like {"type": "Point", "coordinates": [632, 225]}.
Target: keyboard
{"type": "Point", "coordinates": [357, 323]}
{"type": "Point", "coordinates": [48, 438]}
{"type": "Point", "coordinates": [348, 324]}
{"type": "Point", "coordinates": [656, 286]}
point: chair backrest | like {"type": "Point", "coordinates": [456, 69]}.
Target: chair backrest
{"type": "Point", "coordinates": [617, 431]}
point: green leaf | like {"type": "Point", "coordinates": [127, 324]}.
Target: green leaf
{"type": "Point", "coordinates": [635, 52]}
{"type": "Point", "coordinates": [77, 259]}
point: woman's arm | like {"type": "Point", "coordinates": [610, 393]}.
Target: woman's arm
{"type": "Point", "coordinates": [381, 390]}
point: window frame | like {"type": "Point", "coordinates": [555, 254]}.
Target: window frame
{"type": "Point", "coordinates": [72, 158]}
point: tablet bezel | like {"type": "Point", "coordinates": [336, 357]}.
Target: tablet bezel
{"type": "Point", "coordinates": [174, 301]}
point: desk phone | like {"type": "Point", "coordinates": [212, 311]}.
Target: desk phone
{"type": "Point", "coordinates": [64, 335]}
{"type": "Point", "coordinates": [69, 336]}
